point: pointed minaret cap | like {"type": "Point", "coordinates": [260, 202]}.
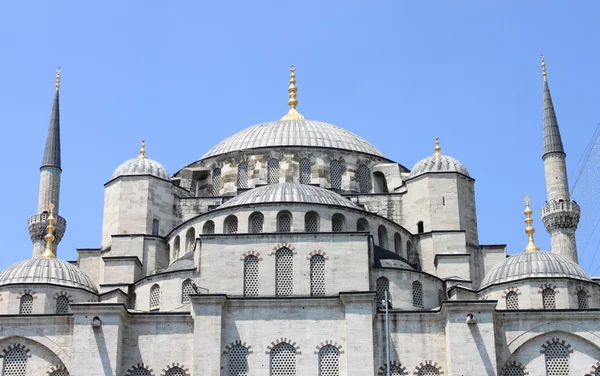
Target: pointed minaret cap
{"type": "Point", "coordinates": [437, 147]}
{"type": "Point", "coordinates": [52, 150]}
{"type": "Point", "coordinates": [529, 230]}
{"type": "Point", "coordinates": [552, 139]}
{"type": "Point", "coordinates": [48, 252]}
{"type": "Point", "coordinates": [293, 114]}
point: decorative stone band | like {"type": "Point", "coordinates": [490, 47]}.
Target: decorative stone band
{"type": "Point", "coordinates": [561, 215]}
{"type": "Point", "coordinates": [37, 224]}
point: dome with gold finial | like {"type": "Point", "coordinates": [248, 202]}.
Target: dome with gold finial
{"type": "Point", "coordinates": [141, 165]}
{"type": "Point", "coordinates": [438, 162]}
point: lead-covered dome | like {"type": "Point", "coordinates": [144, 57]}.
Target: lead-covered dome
{"type": "Point", "coordinates": [185, 262]}
{"type": "Point", "coordinates": [438, 162]}
{"type": "Point", "coordinates": [289, 192]}
{"type": "Point", "coordinates": [534, 265]}
{"type": "Point", "coordinates": [141, 166]}
{"type": "Point", "coordinates": [306, 133]}
{"type": "Point", "coordinates": [47, 270]}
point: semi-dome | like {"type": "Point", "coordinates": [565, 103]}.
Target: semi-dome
{"type": "Point", "coordinates": [185, 262]}
{"type": "Point", "coordinates": [534, 265]}
{"type": "Point", "coordinates": [289, 192]}
{"type": "Point", "coordinates": [438, 162]}
{"type": "Point", "coordinates": [305, 133]}
{"type": "Point", "coordinates": [141, 165]}
{"type": "Point", "coordinates": [47, 270]}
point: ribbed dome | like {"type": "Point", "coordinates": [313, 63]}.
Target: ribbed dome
{"type": "Point", "coordinates": [438, 163]}
{"type": "Point", "coordinates": [289, 192]}
{"type": "Point", "coordinates": [531, 265]}
{"type": "Point", "coordinates": [293, 133]}
{"type": "Point", "coordinates": [141, 166]}
{"type": "Point", "coordinates": [183, 263]}
{"type": "Point", "coordinates": [47, 270]}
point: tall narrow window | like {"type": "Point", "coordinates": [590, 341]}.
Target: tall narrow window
{"type": "Point", "coordinates": [512, 300]}
{"type": "Point", "coordinates": [238, 361]}
{"type": "Point", "coordinates": [338, 223]}
{"type": "Point", "coordinates": [284, 222]}
{"type": "Point", "coordinates": [380, 182]}
{"type": "Point", "coordinates": [273, 171]}
{"type": "Point", "coordinates": [154, 297]}
{"type": "Point", "coordinates": [284, 272]}
{"type": "Point", "coordinates": [305, 171]}
{"type": "Point", "coordinates": [283, 360]}
{"type": "Point", "coordinates": [26, 304]}
{"type": "Point", "coordinates": [513, 371]}
{"type": "Point", "coordinates": [216, 181]}
{"type": "Point", "coordinates": [381, 286]}
{"type": "Point", "coordinates": [15, 362]}
{"type": "Point", "coordinates": [420, 227]}
{"type": "Point", "coordinates": [417, 293]}
{"type": "Point", "coordinates": [428, 370]}
{"type": "Point", "coordinates": [190, 239]}
{"type": "Point", "coordinates": [155, 226]}
{"type": "Point", "coordinates": [362, 225]}
{"type": "Point", "coordinates": [176, 246]}
{"type": "Point", "coordinates": [175, 371]}
{"type": "Point", "coordinates": [317, 275]}
{"type": "Point", "coordinates": [398, 244]}
{"type": "Point", "coordinates": [311, 222]}
{"type": "Point", "coordinates": [582, 300]}
{"type": "Point", "coordinates": [208, 228]}
{"type": "Point", "coordinates": [335, 174]}
{"type": "Point", "coordinates": [329, 361]}
{"type": "Point", "coordinates": [256, 223]}
{"type": "Point", "coordinates": [548, 298]}
{"type": "Point", "coordinates": [62, 305]}
{"type": "Point", "coordinates": [364, 179]}
{"type": "Point", "coordinates": [187, 288]}
{"type": "Point", "coordinates": [251, 276]}
{"type": "Point", "coordinates": [231, 225]}
{"type": "Point", "coordinates": [557, 360]}
{"type": "Point", "coordinates": [242, 177]}
{"type": "Point", "coordinates": [382, 235]}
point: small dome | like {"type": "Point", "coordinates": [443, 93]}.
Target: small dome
{"type": "Point", "coordinates": [532, 265]}
{"type": "Point", "coordinates": [141, 166]}
{"type": "Point", "coordinates": [185, 262]}
{"type": "Point", "coordinates": [289, 192]}
{"type": "Point", "coordinates": [47, 270]}
{"type": "Point", "coordinates": [438, 163]}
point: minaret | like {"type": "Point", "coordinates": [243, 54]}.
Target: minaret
{"type": "Point", "coordinates": [560, 215]}
{"type": "Point", "coordinates": [49, 191]}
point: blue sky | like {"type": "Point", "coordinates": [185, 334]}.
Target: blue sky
{"type": "Point", "coordinates": [185, 75]}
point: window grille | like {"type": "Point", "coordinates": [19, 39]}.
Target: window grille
{"type": "Point", "coordinates": [62, 304]}
{"type": "Point", "coordinates": [15, 363]}
{"type": "Point", "coordinates": [256, 223]}
{"type": "Point", "coordinates": [59, 372]}
{"type": "Point", "coordinates": [155, 297]}
{"type": "Point", "coordinates": [284, 223]}
{"type": "Point", "coordinates": [284, 269]}
{"type": "Point", "coordinates": [26, 306]}
{"type": "Point", "coordinates": [216, 181]}
{"type": "Point", "coordinates": [582, 300]}
{"type": "Point", "coordinates": [305, 171]}
{"type": "Point", "coordinates": [175, 371]}
{"type": "Point", "coordinates": [155, 226]}
{"type": "Point", "coordinates": [140, 372]}
{"type": "Point", "coordinates": [238, 361]}
{"type": "Point", "coordinates": [428, 370]}
{"type": "Point", "coordinates": [187, 288]}
{"type": "Point", "coordinates": [398, 244]}
{"type": "Point", "coordinates": [381, 286]}
{"type": "Point", "coordinates": [311, 223]}
{"type": "Point", "coordinates": [335, 172]}
{"type": "Point", "coordinates": [273, 171]}
{"type": "Point", "coordinates": [231, 225]}
{"type": "Point", "coordinates": [283, 360]}
{"type": "Point", "coordinates": [382, 235]}
{"type": "Point", "coordinates": [208, 228]}
{"type": "Point", "coordinates": [242, 178]}
{"type": "Point", "coordinates": [362, 225]}
{"type": "Point", "coordinates": [396, 371]}
{"type": "Point", "coordinates": [364, 179]}
{"type": "Point", "coordinates": [317, 275]}
{"type": "Point", "coordinates": [337, 223]}
{"type": "Point", "coordinates": [251, 276]}
{"type": "Point", "coordinates": [512, 300]}
{"type": "Point", "coordinates": [176, 246]}
{"type": "Point", "coordinates": [557, 360]}
{"type": "Point", "coordinates": [329, 361]}
{"type": "Point", "coordinates": [513, 371]}
{"type": "Point", "coordinates": [417, 293]}
{"type": "Point", "coordinates": [190, 239]}
{"type": "Point", "coordinates": [548, 299]}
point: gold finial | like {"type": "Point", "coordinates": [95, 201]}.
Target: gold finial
{"type": "Point", "coordinates": [543, 67]}
{"type": "Point", "coordinates": [143, 150]}
{"type": "Point", "coordinates": [57, 84]}
{"type": "Point", "coordinates": [437, 147]}
{"type": "Point", "coordinates": [529, 230]}
{"type": "Point", "coordinates": [293, 114]}
{"type": "Point", "coordinates": [48, 253]}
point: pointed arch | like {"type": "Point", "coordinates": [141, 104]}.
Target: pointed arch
{"type": "Point", "coordinates": [208, 228]}
{"type": "Point", "coordinates": [155, 297]}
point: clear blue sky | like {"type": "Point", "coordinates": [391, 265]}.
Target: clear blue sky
{"type": "Point", "coordinates": [185, 75]}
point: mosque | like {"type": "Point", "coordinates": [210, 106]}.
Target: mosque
{"type": "Point", "coordinates": [295, 247]}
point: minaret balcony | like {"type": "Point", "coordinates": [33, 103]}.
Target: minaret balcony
{"type": "Point", "coordinates": [561, 214]}
{"type": "Point", "coordinates": [37, 224]}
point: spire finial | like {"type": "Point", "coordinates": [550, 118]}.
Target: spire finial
{"type": "Point", "coordinates": [48, 253]}
{"type": "Point", "coordinates": [437, 147]}
{"type": "Point", "coordinates": [143, 150]}
{"type": "Point", "coordinates": [293, 114]}
{"type": "Point", "coordinates": [529, 230]}
{"type": "Point", "coordinates": [543, 67]}
{"type": "Point", "coordinates": [57, 84]}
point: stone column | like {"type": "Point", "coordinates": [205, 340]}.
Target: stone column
{"type": "Point", "coordinates": [359, 309]}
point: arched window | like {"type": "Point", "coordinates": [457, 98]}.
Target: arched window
{"type": "Point", "coordinates": [305, 171]}
{"type": "Point", "coordinates": [362, 225]}
{"type": "Point", "coordinates": [26, 304]}
{"type": "Point", "coordinates": [338, 223]}
{"type": "Point", "coordinates": [380, 182]}
{"type": "Point", "coordinates": [251, 276]}
{"type": "Point", "coordinates": [187, 288]}
{"type": "Point", "coordinates": [273, 171]}
{"type": "Point", "coordinates": [155, 226]}
{"type": "Point", "coordinates": [398, 244]}
{"type": "Point", "coordinates": [548, 298]}
{"type": "Point", "coordinates": [428, 370]}
{"type": "Point", "coordinates": [284, 222]}
{"type": "Point", "coordinates": [329, 361]}
{"type": "Point", "coordinates": [513, 371]}
{"type": "Point", "coordinates": [284, 272]}
{"type": "Point", "coordinates": [238, 361]}
{"type": "Point", "coordinates": [231, 225]}
{"type": "Point", "coordinates": [59, 372]}
{"type": "Point", "coordinates": [175, 371]}
{"type": "Point", "coordinates": [557, 360]}
{"type": "Point", "coordinates": [62, 305]}
{"type": "Point", "coordinates": [396, 371]}
{"type": "Point", "coordinates": [208, 228]}
{"type": "Point", "coordinates": [15, 362]}
{"type": "Point", "coordinates": [190, 239]}
{"type": "Point", "coordinates": [512, 300]}
{"type": "Point", "coordinates": [256, 223]}
{"type": "Point", "coordinates": [140, 371]}
{"type": "Point", "coordinates": [242, 176]}
{"type": "Point", "coordinates": [283, 360]}
{"type": "Point", "coordinates": [335, 174]}
{"type": "Point", "coordinates": [382, 235]}
{"type": "Point", "coordinates": [176, 246]}
{"type": "Point", "coordinates": [311, 222]}
{"type": "Point", "coordinates": [582, 300]}
{"type": "Point", "coordinates": [155, 297]}
{"type": "Point", "coordinates": [420, 227]}
{"type": "Point", "coordinates": [317, 275]}
{"type": "Point", "coordinates": [381, 286]}
{"type": "Point", "coordinates": [417, 294]}
{"type": "Point", "coordinates": [216, 181]}
{"type": "Point", "coordinates": [364, 179]}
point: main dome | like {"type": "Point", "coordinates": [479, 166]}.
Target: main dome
{"type": "Point", "coordinates": [307, 133]}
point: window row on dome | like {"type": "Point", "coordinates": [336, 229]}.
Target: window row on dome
{"type": "Point", "coordinates": [548, 299]}
{"type": "Point", "coordinates": [26, 304]}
